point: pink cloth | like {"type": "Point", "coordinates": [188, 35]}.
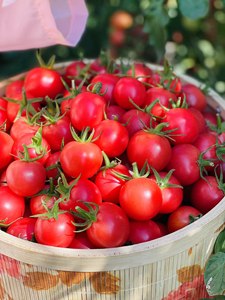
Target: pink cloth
{"type": "Point", "coordinates": [27, 24]}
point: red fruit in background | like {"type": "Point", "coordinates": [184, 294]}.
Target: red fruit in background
{"type": "Point", "coordinates": [194, 96]}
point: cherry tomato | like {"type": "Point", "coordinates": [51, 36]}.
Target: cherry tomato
{"type": "Point", "coordinates": [6, 143]}
{"type": "Point", "coordinates": [184, 161]}
{"type": "Point", "coordinates": [57, 232]}
{"type": "Point", "coordinates": [84, 190]}
{"type": "Point", "coordinates": [42, 82]}
{"type": "Point", "coordinates": [194, 96]}
{"type": "Point", "coordinates": [114, 112]}
{"type": "Point", "coordinates": [183, 124]}
{"type": "Point", "coordinates": [140, 198]}
{"type": "Point", "coordinates": [25, 178]}
{"type": "Point", "coordinates": [36, 146]}
{"type": "Point", "coordinates": [172, 192]}
{"type": "Point", "coordinates": [164, 97]}
{"type": "Point", "coordinates": [106, 231]}
{"type": "Point", "coordinates": [87, 110]}
{"type": "Point", "coordinates": [109, 183]}
{"type": "Point", "coordinates": [23, 228]}
{"type": "Point", "coordinates": [81, 159]}
{"type": "Point", "coordinates": [111, 137]}
{"type": "Point", "coordinates": [135, 120]}
{"type": "Point", "coordinates": [107, 82]}
{"type": "Point", "coordinates": [206, 194]}
{"type": "Point", "coordinates": [36, 203]}
{"type": "Point", "coordinates": [129, 89]}
{"type": "Point", "coordinates": [21, 127]}
{"type": "Point", "coordinates": [12, 206]}
{"type": "Point", "coordinates": [81, 241]}
{"type": "Point", "coordinates": [149, 147]}
{"type": "Point", "coordinates": [181, 217]}
{"type": "Point", "coordinates": [143, 231]}
{"type": "Point", "coordinates": [57, 133]}
{"type": "Point", "coordinates": [140, 71]}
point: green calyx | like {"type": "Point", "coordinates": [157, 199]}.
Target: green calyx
{"type": "Point", "coordinates": [88, 215]}
{"type": "Point", "coordinates": [164, 182]}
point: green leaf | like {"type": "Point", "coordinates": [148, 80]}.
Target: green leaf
{"type": "Point", "coordinates": [215, 298]}
{"type": "Point", "coordinates": [157, 11]}
{"type": "Point", "coordinates": [193, 9]}
{"type": "Point", "coordinates": [214, 275]}
{"type": "Point", "coordinates": [157, 36]}
{"type": "Point", "coordinates": [220, 243]}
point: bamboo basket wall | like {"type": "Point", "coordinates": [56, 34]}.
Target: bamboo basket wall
{"type": "Point", "coordinates": [161, 269]}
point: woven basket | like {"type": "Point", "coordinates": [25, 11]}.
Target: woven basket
{"type": "Point", "coordinates": [161, 269]}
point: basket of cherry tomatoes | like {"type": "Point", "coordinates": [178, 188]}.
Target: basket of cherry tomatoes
{"type": "Point", "coordinates": [111, 181]}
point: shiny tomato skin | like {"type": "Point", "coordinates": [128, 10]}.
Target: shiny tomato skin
{"type": "Point", "coordinates": [145, 146]}
{"type": "Point", "coordinates": [21, 127]}
{"type": "Point", "coordinates": [74, 72]}
{"type": "Point", "coordinates": [52, 165]}
{"type": "Point", "coordinates": [5, 123]}
{"type": "Point", "coordinates": [58, 133]}
{"type": "Point", "coordinates": [164, 98]}
{"type": "Point", "coordinates": [26, 139]}
{"type": "Point", "coordinates": [129, 88]}
{"type": "Point", "coordinates": [181, 217]}
{"type": "Point", "coordinates": [206, 143]}
{"type": "Point", "coordinates": [36, 203]}
{"type": "Point", "coordinates": [83, 191]}
{"type": "Point", "coordinates": [140, 71]}
{"type": "Point", "coordinates": [205, 194]}
{"type": "Point", "coordinates": [107, 81]}
{"type": "Point", "coordinates": [42, 82]}
{"type": "Point", "coordinates": [109, 183]}
{"type": "Point", "coordinates": [140, 198]}
{"type": "Point", "coordinates": [183, 124]}
{"type": "Point", "coordinates": [111, 228]}
{"type": "Point", "coordinates": [163, 95]}
{"type": "Point", "coordinates": [111, 137]}
{"type": "Point", "coordinates": [135, 120]}
{"type": "Point", "coordinates": [58, 232]}
{"type": "Point", "coordinates": [194, 96]}
{"type": "Point", "coordinates": [25, 178]}
{"type": "Point", "coordinates": [87, 110]}
{"type": "Point", "coordinates": [184, 161]}
{"type": "Point", "coordinates": [6, 143]}
{"type": "Point", "coordinates": [14, 89]}
{"type": "Point", "coordinates": [172, 196]}
{"type": "Point", "coordinates": [12, 206]}
{"type": "Point", "coordinates": [81, 241]}
{"type": "Point", "coordinates": [23, 228]}
{"type": "Point", "coordinates": [143, 231]}
{"type": "Point", "coordinates": [83, 159]}
{"type": "Point", "coordinates": [114, 112]}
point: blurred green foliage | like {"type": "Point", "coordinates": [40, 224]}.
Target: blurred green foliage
{"type": "Point", "coordinates": [189, 33]}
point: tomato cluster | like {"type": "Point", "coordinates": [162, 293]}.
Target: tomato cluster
{"type": "Point", "coordinates": [99, 156]}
